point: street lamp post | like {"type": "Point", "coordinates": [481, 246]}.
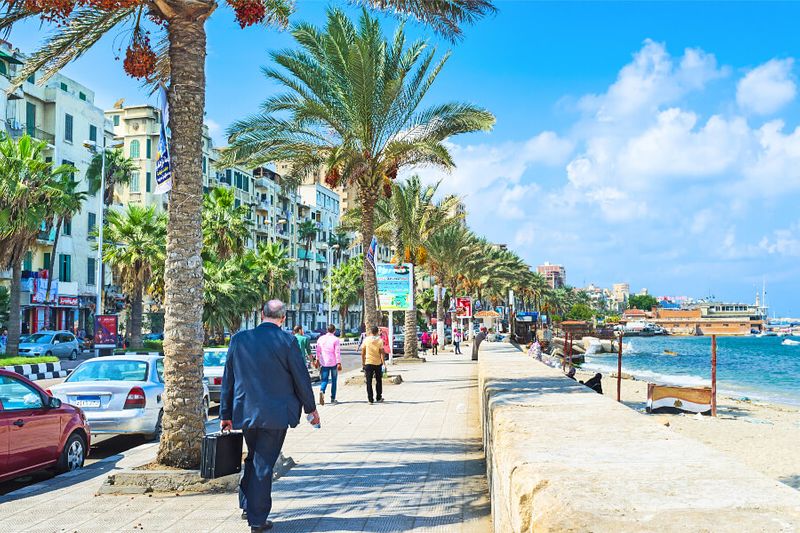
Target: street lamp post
{"type": "Point", "coordinates": [330, 284]}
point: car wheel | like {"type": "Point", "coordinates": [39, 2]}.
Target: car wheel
{"type": "Point", "coordinates": [156, 435]}
{"type": "Point", "coordinates": [73, 454]}
{"type": "Point", "coordinates": [48, 353]}
{"type": "Point", "coordinates": [73, 355]}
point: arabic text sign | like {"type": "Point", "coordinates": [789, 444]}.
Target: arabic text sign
{"type": "Point", "coordinates": [395, 292]}
{"type": "Point", "coordinates": [464, 307]}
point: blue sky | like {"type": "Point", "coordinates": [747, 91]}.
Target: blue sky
{"type": "Point", "coordinates": [651, 142]}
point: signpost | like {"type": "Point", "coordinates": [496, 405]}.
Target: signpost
{"type": "Point", "coordinates": [713, 375]}
{"type": "Point", "coordinates": [395, 292]}
{"type": "Point", "coordinates": [463, 310]}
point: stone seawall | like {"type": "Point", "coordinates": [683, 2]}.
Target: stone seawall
{"type": "Point", "coordinates": [562, 458]}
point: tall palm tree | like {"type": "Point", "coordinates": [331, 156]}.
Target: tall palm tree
{"type": "Point", "coordinates": [119, 170]}
{"type": "Point", "coordinates": [274, 271]}
{"type": "Point", "coordinates": [179, 29]}
{"type": "Point", "coordinates": [340, 240]}
{"type": "Point", "coordinates": [30, 189]}
{"type": "Point", "coordinates": [226, 226]}
{"type": "Point", "coordinates": [134, 243]}
{"type": "Point", "coordinates": [306, 231]}
{"type": "Point", "coordinates": [68, 205]}
{"type": "Point", "coordinates": [351, 105]}
{"type": "Point", "coordinates": [347, 286]}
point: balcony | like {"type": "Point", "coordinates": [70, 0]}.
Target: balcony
{"type": "Point", "coordinates": [47, 237]}
{"type": "Point", "coordinates": [17, 130]}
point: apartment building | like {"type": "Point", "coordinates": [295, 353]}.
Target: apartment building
{"type": "Point", "coordinates": [63, 114]}
{"type": "Point", "coordinates": [556, 275]}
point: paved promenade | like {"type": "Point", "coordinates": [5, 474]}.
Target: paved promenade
{"type": "Point", "coordinates": [412, 463]}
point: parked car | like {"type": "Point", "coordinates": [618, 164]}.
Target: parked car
{"type": "Point", "coordinates": [398, 343]}
{"type": "Point", "coordinates": [120, 394]}
{"type": "Point", "coordinates": [153, 337]}
{"type": "Point", "coordinates": [57, 343]}
{"type": "Point", "coordinates": [38, 431]}
{"type": "Point", "coordinates": [213, 367]}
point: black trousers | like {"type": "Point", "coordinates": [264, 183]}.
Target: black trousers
{"type": "Point", "coordinates": [371, 371]}
{"type": "Point", "coordinates": [255, 488]}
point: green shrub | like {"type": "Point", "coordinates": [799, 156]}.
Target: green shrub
{"type": "Point", "coordinates": [153, 346]}
{"type": "Point", "coordinates": [13, 361]}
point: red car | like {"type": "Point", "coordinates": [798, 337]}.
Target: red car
{"type": "Point", "coordinates": [37, 431]}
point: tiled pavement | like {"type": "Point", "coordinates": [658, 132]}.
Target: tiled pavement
{"type": "Point", "coordinates": [412, 463]}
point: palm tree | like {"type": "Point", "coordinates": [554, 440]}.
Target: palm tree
{"type": "Point", "coordinates": [179, 29]}
{"type": "Point", "coordinates": [274, 271]}
{"type": "Point", "coordinates": [347, 286]}
{"type": "Point", "coordinates": [306, 231]}
{"type": "Point", "coordinates": [119, 170]}
{"type": "Point", "coordinates": [29, 191]}
{"type": "Point", "coordinates": [67, 206]}
{"type": "Point", "coordinates": [134, 243]}
{"type": "Point", "coordinates": [352, 106]}
{"type": "Point", "coordinates": [340, 240]}
{"type": "Point", "coordinates": [226, 226]}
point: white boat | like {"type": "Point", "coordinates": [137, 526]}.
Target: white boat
{"type": "Point", "coordinates": [790, 342]}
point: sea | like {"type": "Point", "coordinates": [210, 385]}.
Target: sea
{"type": "Point", "coordinates": [757, 368]}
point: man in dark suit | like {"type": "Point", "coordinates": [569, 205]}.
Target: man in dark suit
{"type": "Point", "coordinates": [264, 389]}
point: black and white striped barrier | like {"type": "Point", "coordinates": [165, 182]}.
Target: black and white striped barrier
{"type": "Point", "coordinates": [38, 370]}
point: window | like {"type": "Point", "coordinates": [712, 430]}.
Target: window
{"type": "Point", "coordinates": [91, 271]}
{"type": "Point", "coordinates": [147, 178]}
{"type": "Point", "coordinates": [134, 149]}
{"type": "Point", "coordinates": [247, 183]}
{"type": "Point", "coordinates": [92, 224]}
{"type": "Point", "coordinates": [18, 395]}
{"type": "Point", "coordinates": [82, 96]}
{"type": "Point", "coordinates": [116, 120]}
{"type": "Point", "coordinates": [66, 227]}
{"type": "Point", "coordinates": [148, 150]}
{"type": "Point", "coordinates": [134, 186]}
{"type": "Point", "coordinates": [3, 68]}
{"type": "Point", "coordinates": [160, 370]}
{"type": "Point", "coordinates": [46, 261]}
{"type": "Point", "coordinates": [32, 78]}
{"type": "Point", "coordinates": [205, 162]}
{"type": "Point", "coordinates": [30, 119]}
{"type": "Point", "coordinates": [65, 267]}
{"type": "Point", "coordinates": [64, 86]}
{"type": "Point", "coordinates": [27, 262]}
{"type": "Point", "coordinates": [67, 127]}
{"type": "Point", "coordinates": [93, 133]}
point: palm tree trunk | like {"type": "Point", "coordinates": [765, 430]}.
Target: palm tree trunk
{"type": "Point", "coordinates": [135, 331]}
{"type": "Point", "coordinates": [368, 198]}
{"type": "Point", "coordinates": [440, 315]}
{"type": "Point", "coordinates": [183, 427]}
{"type": "Point", "coordinates": [410, 348]}
{"type": "Point", "coordinates": [50, 275]}
{"type": "Point", "coordinates": [12, 343]}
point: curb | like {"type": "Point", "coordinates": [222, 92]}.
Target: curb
{"type": "Point", "coordinates": [38, 370]}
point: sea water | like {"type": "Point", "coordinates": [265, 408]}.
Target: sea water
{"type": "Point", "coordinates": [754, 367]}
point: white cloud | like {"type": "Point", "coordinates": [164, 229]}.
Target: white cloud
{"type": "Point", "coordinates": [767, 88]}
{"type": "Point", "coordinates": [784, 241]}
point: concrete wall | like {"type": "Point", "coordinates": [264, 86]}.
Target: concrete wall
{"type": "Point", "coordinates": [563, 458]}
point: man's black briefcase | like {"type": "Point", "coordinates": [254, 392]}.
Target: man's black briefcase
{"type": "Point", "coordinates": [221, 454]}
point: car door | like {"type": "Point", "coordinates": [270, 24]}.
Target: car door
{"type": "Point", "coordinates": [33, 428]}
{"type": "Point", "coordinates": [64, 346]}
{"type": "Point", "coordinates": [70, 344]}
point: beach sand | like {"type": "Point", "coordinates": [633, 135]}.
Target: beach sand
{"type": "Point", "coordinates": [764, 436]}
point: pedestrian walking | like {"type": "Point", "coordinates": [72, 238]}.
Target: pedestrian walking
{"type": "Point", "coordinates": [457, 341]}
{"type": "Point", "coordinates": [476, 343]}
{"type": "Point", "coordinates": [372, 359]}
{"type": "Point", "coordinates": [264, 388]}
{"type": "Point", "coordinates": [425, 340]}
{"type": "Point", "coordinates": [434, 343]}
{"type": "Point", "coordinates": [303, 342]}
{"type": "Point", "coordinates": [329, 355]}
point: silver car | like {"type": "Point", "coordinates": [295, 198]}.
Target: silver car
{"type": "Point", "coordinates": [121, 394]}
{"type": "Point", "coordinates": [58, 343]}
{"type": "Point", "coordinates": [213, 369]}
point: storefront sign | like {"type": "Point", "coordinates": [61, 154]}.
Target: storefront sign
{"type": "Point", "coordinates": [71, 301]}
{"type": "Point", "coordinates": [464, 307]}
{"type": "Point", "coordinates": [105, 331]}
{"type": "Point", "coordinates": [395, 291]}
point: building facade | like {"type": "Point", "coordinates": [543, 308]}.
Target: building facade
{"type": "Point", "coordinates": [63, 114]}
{"type": "Point", "coordinates": [556, 275]}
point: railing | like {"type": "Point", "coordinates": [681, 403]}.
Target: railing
{"type": "Point", "coordinates": [47, 236]}
{"type": "Point", "coordinates": [17, 130]}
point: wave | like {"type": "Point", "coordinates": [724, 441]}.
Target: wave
{"type": "Point", "coordinates": [687, 380]}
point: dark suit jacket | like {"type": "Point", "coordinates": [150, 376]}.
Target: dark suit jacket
{"type": "Point", "coordinates": [266, 380]}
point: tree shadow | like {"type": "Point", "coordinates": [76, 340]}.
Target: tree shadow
{"type": "Point", "coordinates": [793, 481]}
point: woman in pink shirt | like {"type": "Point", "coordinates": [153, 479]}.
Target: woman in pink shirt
{"type": "Point", "coordinates": [329, 355]}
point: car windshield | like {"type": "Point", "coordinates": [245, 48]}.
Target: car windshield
{"type": "Point", "coordinates": [215, 358]}
{"type": "Point", "coordinates": [40, 338]}
{"type": "Point", "coordinates": [119, 370]}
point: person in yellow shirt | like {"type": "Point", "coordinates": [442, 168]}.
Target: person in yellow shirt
{"type": "Point", "coordinates": [372, 357]}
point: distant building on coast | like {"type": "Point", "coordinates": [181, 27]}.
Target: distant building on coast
{"type": "Point", "coordinates": [556, 275]}
{"type": "Point", "coordinates": [710, 318]}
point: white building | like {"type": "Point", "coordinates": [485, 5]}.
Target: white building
{"type": "Point", "coordinates": [61, 113]}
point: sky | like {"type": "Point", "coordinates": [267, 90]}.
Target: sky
{"type": "Point", "coordinates": [652, 143]}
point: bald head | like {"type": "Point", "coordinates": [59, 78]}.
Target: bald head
{"type": "Point", "coordinates": [274, 311]}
